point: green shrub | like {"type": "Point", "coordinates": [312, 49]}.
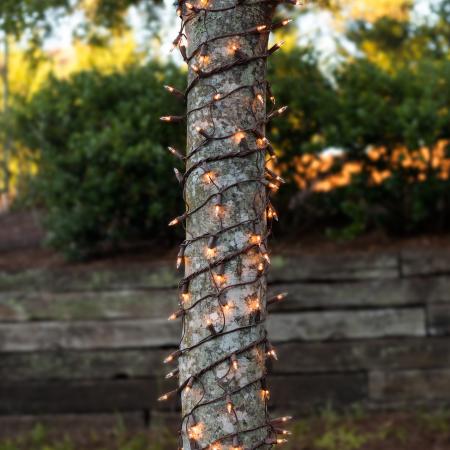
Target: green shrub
{"type": "Point", "coordinates": [104, 171]}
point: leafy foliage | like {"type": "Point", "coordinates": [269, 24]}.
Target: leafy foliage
{"type": "Point", "coordinates": [103, 166]}
{"type": "Point", "coordinates": [387, 111]}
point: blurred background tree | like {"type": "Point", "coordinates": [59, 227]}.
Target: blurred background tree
{"type": "Point", "coordinates": [365, 146]}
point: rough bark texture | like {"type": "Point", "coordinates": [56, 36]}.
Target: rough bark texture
{"type": "Point", "coordinates": [244, 202]}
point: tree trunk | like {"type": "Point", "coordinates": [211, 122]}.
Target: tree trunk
{"type": "Point", "coordinates": [222, 355]}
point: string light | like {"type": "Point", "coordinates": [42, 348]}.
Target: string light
{"type": "Point", "coordinates": [199, 61]}
{"type": "Point", "coordinates": [208, 177]}
{"type": "Point", "coordinates": [234, 362]}
{"type": "Point", "coordinates": [218, 208]}
{"type": "Point", "coordinates": [211, 248]}
{"type": "Point", "coordinates": [185, 292]}
{"type": "Point", "coordinates": [176, 314]}
{"type": "Point", "coordinates": [180, 256]}
{"type": "Point", "coordinates": [238, 137]}
{"type": "Point", "coordinates": [175, 152]}
{"type": "Point", "coordinates": [179, 177]}
{"type": "Point", "coordinates": [174, 91]}
{"type": "Point", "coordinates": [189, 384]}
{"type": "Point", "coordinates": [230, 405]}
{"type": "Point", "coordinates": [270, 351]}
{"type": "Point", "coordinates": [172, 374]}
{"type": "Point", "coordinates": [172, 356]}
{"type": "Point", "coordinates": [275, 47]}
{"type": "Point", "coordinates": [210, 327]}
{"type": "Point", "coordinates": [277, 298]}
{"type": "Point", "coordinates": [219, 275]}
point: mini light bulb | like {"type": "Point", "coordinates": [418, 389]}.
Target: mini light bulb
{"type": "Point", "coordinates": [189, 384]}
{"type": "Point", "coordinates": [270, 351]}
{"type": "Point", "coordinates": [185, 292]}
{"type": "Point", "coordinates": [255, 239]}
{"type": "Point", "coordinates": [260, 98]}
{"type": "Point", "coordinates": [172, 356]}
{"type": "Point", "coordinates": [229, 404]}
{"type": "Point", "coordinates": [238, 136]}
{"type": "Point", "coordinates": [217, 97]}
{"type": "Point", "coordinates": [265, 394]}
{"type": "Point", "coordinates": [180, 257]}
{"type": "Point", "coordinates": [208, 177]}
{"type": "Point", "coordinates": [277, 298]}
{"type": "Point", "coordinates": [261, 28]}
{"type": "Point", "coordinates": [261, 267]}
{"type": "Point", "coordinates": [210, 327]}
{"type": "Point", "coordinates": [175, 152]}
{"type": "Point", "coordinates": [176, 314]}
{"type": "Point", "coordinates": [172, 374]}
{"type": "Point", "coordinates": [234, 362]}
{"type": "Point", "coordinates": [211, 247]}
{"type": "Point", "coordinates": [261, 142]}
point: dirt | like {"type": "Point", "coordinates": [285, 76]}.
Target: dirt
{"type": "Point", "coordinates": [328, 431]}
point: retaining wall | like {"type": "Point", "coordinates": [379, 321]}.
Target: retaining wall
{"type": "Point", "coordinates": [366, 329]}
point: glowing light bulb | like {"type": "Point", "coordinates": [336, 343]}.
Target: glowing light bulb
{"type": "Point", "coordinates": [217, 97]}
{"type": "Point", "coordinates": [261, 142]}
{"type": "Point", "coordinates": [195, 432]}
{"type": "Point", "coordinates": [261, 27]}
{"type": "Point", "coordinates": [176, 314]}
{"type": "Point", "coordinates": [237, 138]}
{"type": "Point", "coordinates": [189, 384]}
{"type": "Point", "coordinates": [208, 177]}
{"type": "Point", "coordinates": [229, 404]}
{"type": "Point", "coordinates": [260, 98]}
{"type": "Point", "coordinates": [265, 394]}
{"type": "Point", "coordinates": [271, 352]}
{"type": "Point", "coordinates": [255, 239]}
{"type": "Point", "coordinates": [234, 362]}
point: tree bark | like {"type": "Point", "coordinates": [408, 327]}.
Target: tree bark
{"type": "Point", "coordinates": [223, 350]}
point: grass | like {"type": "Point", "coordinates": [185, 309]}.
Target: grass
{"type": "Point", "coordinates": [354, 430]}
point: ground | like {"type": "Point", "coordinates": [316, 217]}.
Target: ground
{"type": "Point", "coordinates": [355, 430]}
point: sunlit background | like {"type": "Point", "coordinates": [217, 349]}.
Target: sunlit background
{"type": "Point", "coordinates": [87, 187]}
{"type": "Point", "coordinates": [367, 129]}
